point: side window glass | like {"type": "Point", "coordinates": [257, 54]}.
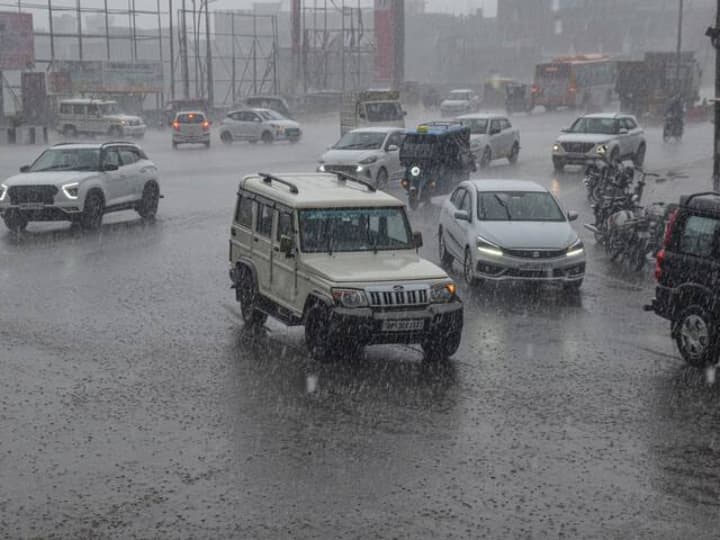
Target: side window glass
{"type": "Point", "coordinates": [65, 108]}
{"type": "Point", "coordinates": [456, 197]}
{"type": "Point", "coordinates": [494, 126]}
{"type": "Point", "coordinates": [699, 236]}
{"type": "Point", "coordinates": [506, 124]}
{"type": "Point", "coordinates": [92, 109]}
{"type": "Point", "coordinates": [127, 156]}
{"type": "Point", "coordinates": [263, 224]}
{"type": "Point", "coordinates": [79, 109]}
{"type": "Point", "coordinates": [243, 214]}
{"type": "Point", "coordinates": [285, 226]}
{"type": "Point", "coordinates": [630, 123]}
{"type": "Point", "coordinates": [466, 203]}
{"type": "Point", "coordinates": [111, 157]}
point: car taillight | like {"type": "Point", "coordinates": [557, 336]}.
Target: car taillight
{"type": "Point", "coordinates": [176, 126]}
{"type": "Point", "coordinates": [659, 261]}
{"type": "Point", "coordinates": [672, 218]}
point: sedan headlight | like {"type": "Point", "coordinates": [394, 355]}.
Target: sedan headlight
{"type": "Point", "coordinates": [556, 147]}
{"type": "Point", "coordinates": [442, 293]}
{"type": "Point", "coordinates": [601, 149]}
{"type": "Point", "coordinates": [71, 190]}
{"type": "Point", "coordinates": [368, 160]}
{"type": "Point", "coordinates": [3, 191]}
{"type": "Point", "coordinates": [575, 249]}
{"type": "Point", "coordinates": [488, 248]}
{"type": "Point", "coordinates": [351, 298]}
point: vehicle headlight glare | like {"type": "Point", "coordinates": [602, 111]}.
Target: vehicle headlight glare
{"type": "Point", "coordinates": [359, 168]}
{"type": "Point", "coordinates": [351, 298]}
{"type": "Point", "coordinates": [601, 150]}
{"type": "Point", "coordinates": [71, 190]}
{"type": "Point", "coordinates": [441, 293]}
{"type": "Point", "coordinates": [415, 171]}
{"type": "Point", "coordinates": [3, 191]}
{"type": "Point", "coordinates": [488, 248]}
{"type": "Point", "coordinates": [321, 168]}
{"type": "Point", "coordinates": [556, 147]}
{"type": "Point", "coordinates": [577, 248]}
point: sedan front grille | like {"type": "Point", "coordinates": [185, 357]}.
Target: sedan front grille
{"type": "Point", "coordinates": [535, 253]}
{"type": "Point", "coordinates": [577, 148]}
{"type": "Point", "coordinates": [32, 194]}
{"type": "Point", "coordinates": [398, 297]}
{"type": "Point", "coordinates": [347, 169]}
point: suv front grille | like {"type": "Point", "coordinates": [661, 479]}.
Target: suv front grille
{"type": "Point", "coordinates": [32, 194]}
{"type": "Point", "coordinates": [535, 253]}
{"type": "Point", "coordinates": [392, 297]}
{"type": "Point", "coordinates": [577, 148]}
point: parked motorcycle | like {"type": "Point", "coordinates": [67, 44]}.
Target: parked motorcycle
{"type": "Point", "coordinates": [603, 178]}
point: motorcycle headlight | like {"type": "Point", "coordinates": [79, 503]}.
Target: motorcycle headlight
{"type": "Point", "coordinates": [601, 149]}
{"type": "Point", "coordinates": [351, 298]}
{"type": "Point", "coordinates": [415, 171]}
{"type": "Point", "coordinates": [488, 248]}
{"type": "Point", "coordinates": [321, 167]}
{"type": "Point", "coordinates": [368, 160]}
{"type": "Point", "coordinates": [71, 190]}
{"type": "Point", "coordinates": [556, 147]}
{"type": "Point", "coordinates": [575, 249]}
{"type": "Point", "coordinates": [3, 191]}
{"type": "Point", "coordinates": [442, 293]}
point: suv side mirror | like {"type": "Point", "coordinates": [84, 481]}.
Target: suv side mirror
{"type": "Point", "coordinates": [572, 215]}
{"type": "Point", "coordinates": [418, 239]}
{"type": "Point", "coordinates": [462, 215]}
{"type": "Point", "coordinates": [623, 131]}
{"type": "Point", "coordinates": [565, 130]}
{"type": "Point", "coordinates": [286, 245]}
{"type": "Point", "coordinates": [393, 148]}
{"type": "Point", "coordinates": [25, 168]}
{"type": "Point", "coordinates": [110, 167]}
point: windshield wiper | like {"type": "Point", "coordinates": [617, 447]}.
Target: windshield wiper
{"type": "Point", "coordinates": [502, 203]}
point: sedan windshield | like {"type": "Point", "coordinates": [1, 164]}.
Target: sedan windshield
{"type": "Point", "coordinates": [68, 159]}
{"type": "Point", "coordinates": [361, 140]}
{"type": "Point", "coordinates": [478, 126]}
{"type": "Point", "coordinates": [354, 229]}
{"type": "Point", "coordinates": [605, 126]}
{"type": "Point", "coordinates": [518, 206]}
{"type": "Point", "coordinates": [458, 96]}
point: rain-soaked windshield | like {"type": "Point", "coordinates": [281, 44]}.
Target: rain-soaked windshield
{"type": "Point", "coordinates": [384, 111]}
{"type": "Point", "coordinates": [76, 159]}
{"type": "Point", "coordinates": [517, 206]}
{"type": "Point", "coordinates": [361, 140]}
{"type": "Point", "coordinates": [478, 126]}
{"type": "Point", "coordinates": [605, 126]}
{"type": "Point", "coordinates": [110, 108]}
{"type": "Point", "coordinates": [354, 229]}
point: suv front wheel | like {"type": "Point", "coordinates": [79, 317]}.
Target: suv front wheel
{"type": "Point", "coordinates": [696, 336]}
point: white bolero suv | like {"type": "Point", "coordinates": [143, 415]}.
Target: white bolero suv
{"type": "Point", "coordinates": [336, 255]}
{"type": "Point", "coordinates": [79, 183]}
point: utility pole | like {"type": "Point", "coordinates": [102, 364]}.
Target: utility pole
{"type": "Point", "coordinates": [172, 50]}
{"type": "Point", "coordinates": [679, 47]}
{"type": "Point", "coordinates": [714, 35]}
{"type": "Point", "coordinates": [186, 66]}
{"type": "Point", "coordinates": [208, 47]}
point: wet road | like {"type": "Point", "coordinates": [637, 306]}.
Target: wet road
{"type": "Point", "coordinates": [134, 404]}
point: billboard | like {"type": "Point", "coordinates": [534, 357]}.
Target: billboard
{"type": "Point", "coordinates": [16, 40]}
{"type": "Point", "coordinates": [389, 40]}
{"type": "Point", "coordinates": [101, 77]}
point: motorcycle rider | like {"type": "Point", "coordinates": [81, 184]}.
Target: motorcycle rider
{"type": "Point", "coordinates": [674, 117]}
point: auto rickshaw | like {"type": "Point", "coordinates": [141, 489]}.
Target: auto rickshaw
{"type": "Point", "coordinates": [517, 98]}
{"type": "Point", "coordinates": [435, 156]}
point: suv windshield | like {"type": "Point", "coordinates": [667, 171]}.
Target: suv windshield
{"type": "Point", "coordinates": [354, 229]}
{"type": "Point", "coordinates": [518, 206]}
{"type": "Point", "coordinates": [477, 126]}
{"type": "Point", "coordinates": [458, 96]}
{"type": "Point", "coordinates": [606, 126]}
{"type": "Point", "coordinates": [361, 140]}
{"type": "Point", "coordinates": [67, 159]}
{"type": "Point", "coordinates": [110, 108]}
{"type": "Point", "coordinates": [384, 111]}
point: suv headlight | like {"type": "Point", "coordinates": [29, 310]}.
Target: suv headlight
{"type": "Point", "coordinates": [368, 160]}
{"type": "Point", "coordinates": [575, 249]}
{"type": "Point", "coordinates": [488, 248]}
{"type": "Point", "coordinates": [601, 149]}
{"type": "Point", "coordinates": [352, 298]}
{"type": "Point", "coordinates": [442, 293]}
{"type": "Point", "coordinates": [415, 171]}
{"type": "Point", "coordinates": [71, 190]}
{"type": "Point", "coordinates": [3, 191]}
{"type": "Point", "coordinates": [321, 167]}
{"type": "Point", "coordinates": [125, 122]}
{"type": "Point", "coordinates": [556, 147]}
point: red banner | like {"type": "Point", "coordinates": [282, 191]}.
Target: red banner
{"type": "Point", "coordinates": [16, 40]}
{"type": "Point", "coordinates": [384, 40]}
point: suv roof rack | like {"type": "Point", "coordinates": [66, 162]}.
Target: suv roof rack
{"type": "Point", "coordinates": [343, 176]}
{"type": "Point", "coordinates": [270, 178]}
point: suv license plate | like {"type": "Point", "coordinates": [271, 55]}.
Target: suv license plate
{"type": "Point", "coordinates": [403, 326]}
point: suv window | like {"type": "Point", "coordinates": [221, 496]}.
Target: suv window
{"type": "Point", "coordinates": [111, 157]}
{"type": "Point", "coordinates": [494, 126]}
{"type": "Point", "coordinates": [457, 197]}
{"type": "Point", "coordinates": [243, 214]}
{"type": "Point", "coordinates": [263, 224]}
{"type": "Point", "coordinates": [630, 124]}
{"type": "Point", "coordinates": [395, 138]}
{"type": "Point", "coordinates": [505, 123]}
{"type": "Point", "coordinates": [92, 109]}
{"type": "Point", "coordinates": [78, 109]}
{"type": "Point", "coordinates": [285, 225]}
{"type": "Point", "coordinates": [65, 108]}
{"type": "Point", "coordinates": [699, 237]}
{"type": "Point", "coordinates": [129, 155]}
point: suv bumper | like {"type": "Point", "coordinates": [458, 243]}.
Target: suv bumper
{"type": "Point", "coordinates": [369, 326]}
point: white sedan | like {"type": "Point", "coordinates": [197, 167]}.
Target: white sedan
{"type": "Point", "coordinates": [510, 230]}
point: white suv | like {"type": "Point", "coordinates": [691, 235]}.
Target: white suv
{"type": "Point", "coordinates": [79, 183]}
{"type": "Point", "coordinates": [336, 255]}
{"type": "Point", "coordinates": [97, 117]}
{"type": "Point", "coordinates": [608, 136]}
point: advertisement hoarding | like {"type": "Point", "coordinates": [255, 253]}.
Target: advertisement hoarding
{"type": "Point", "coordinates": [389, 40]}
{"type": "Point", "coordinates": [101, 77]}
{"type": "Point", "coordinates": [16, 40]}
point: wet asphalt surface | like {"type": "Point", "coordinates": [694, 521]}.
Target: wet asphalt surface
{"type": "Point", "coordinates": [133, 403]}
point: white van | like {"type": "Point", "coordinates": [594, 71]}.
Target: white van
{"type": "Point", "coordinates": [97, 117]}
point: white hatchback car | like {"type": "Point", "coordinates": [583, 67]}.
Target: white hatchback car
{"type": "Point", "coordinates": [504, 230]}
{"type": "Point", "coordinates": [255, 125]}
{"type": "Point", "coordinates": [191, 127]}
{"type": "Point", "coordinates": [371, 152]}
{"type": "Point", "coordinates": [492, 136]}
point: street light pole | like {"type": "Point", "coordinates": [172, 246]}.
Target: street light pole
{"type": "Point", "coordinates": [714, 35]}
{"type": "Point", "coordinates": [208, 47]}
{"type": "Point", "coordinates": [679, 45]}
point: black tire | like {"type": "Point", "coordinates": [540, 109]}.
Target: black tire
{"type": "Point", "coordinates": [294, 140]}
{"type": "Point", "coordinates": [15, 221]}
{"type": "Point", "coordinates": [69, 131]}
{"type": "Point", "coordinates": [614, 246]}
{"type": "Point", "coordinates": [441, 348]}
{"type": "Point", "coordinates": [382, 178]}
{"type": "Point", "coordinates": [226, 137]}
{"type": "Point", "coordinates": [514, 153]}
{"type": "Point", "coordinates": [317, 335]}
{"type": "Point", "coordinates": [639, 157]}
{"type": "Point", "coordinates": [558, 164]}
{"type": "Point", "coordinates": [597, 192]}
{"type": "Point", "coordinates": [446, 259]}
{"type": "Point", "coordinates": [267, 137]}
{"type": "Point", "coordinates": [148, 206]}
{"type": "Point", "coordinates": [93, 210]}
{"type": "Point", "coordinates": [246, 292]}
{"type": "Point", "coordinates": [207, 144]}
{"type": "Point", "coordinates": [486, 158]}
{"type": "Point", "coordinates": [468, 271]}
{"type": "Point", "coordinates": [695, 331]}
{"type": "Point", "coordinates": [638, 257]}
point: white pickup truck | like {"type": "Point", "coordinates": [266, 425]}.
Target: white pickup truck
{"type": "Point", "coordinates": [492, 136]}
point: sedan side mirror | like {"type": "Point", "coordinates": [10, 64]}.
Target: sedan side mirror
{"type": "Point", "coordinates": [418, 239]}
{"type": "Point", "coordinates": [565, 130]}
{"type": "Point", "coordinates": [110, 167]}
{"type": "Point", "coordinates": [462, 215]}
{"type": "Point", "coordinates": [393, 148]}
{"type": "Point", "coordinates": [25, 168]}
{"type": "Point", "coordinates": [572, 215]}
{"type": "Point", "coordinates": [286, 245]}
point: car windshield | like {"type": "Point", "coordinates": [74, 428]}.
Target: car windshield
{"type": "Point", "coordinates": [361, 140]}
{"type": "Point", "coordinates": [191, 118]}
{"type": "Point", "coordinates": [605, 126]}
{"type": "Point", "coordinates": [354, 229]}
{"type": "Point", "coordinates": [271, 115]}
{"type": "Point", "coordinates": [477, 126]}
{"type": "Point", "coordinates": [384, 111]}
{"type": "Point", "coordinates": [110, 108]}
{"type": "Point", "coordinates": [518, 206]}
{"type": "Point", "coordinates": [67, 159]}
{"type": "Point", "coordinates": [458, 96]}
